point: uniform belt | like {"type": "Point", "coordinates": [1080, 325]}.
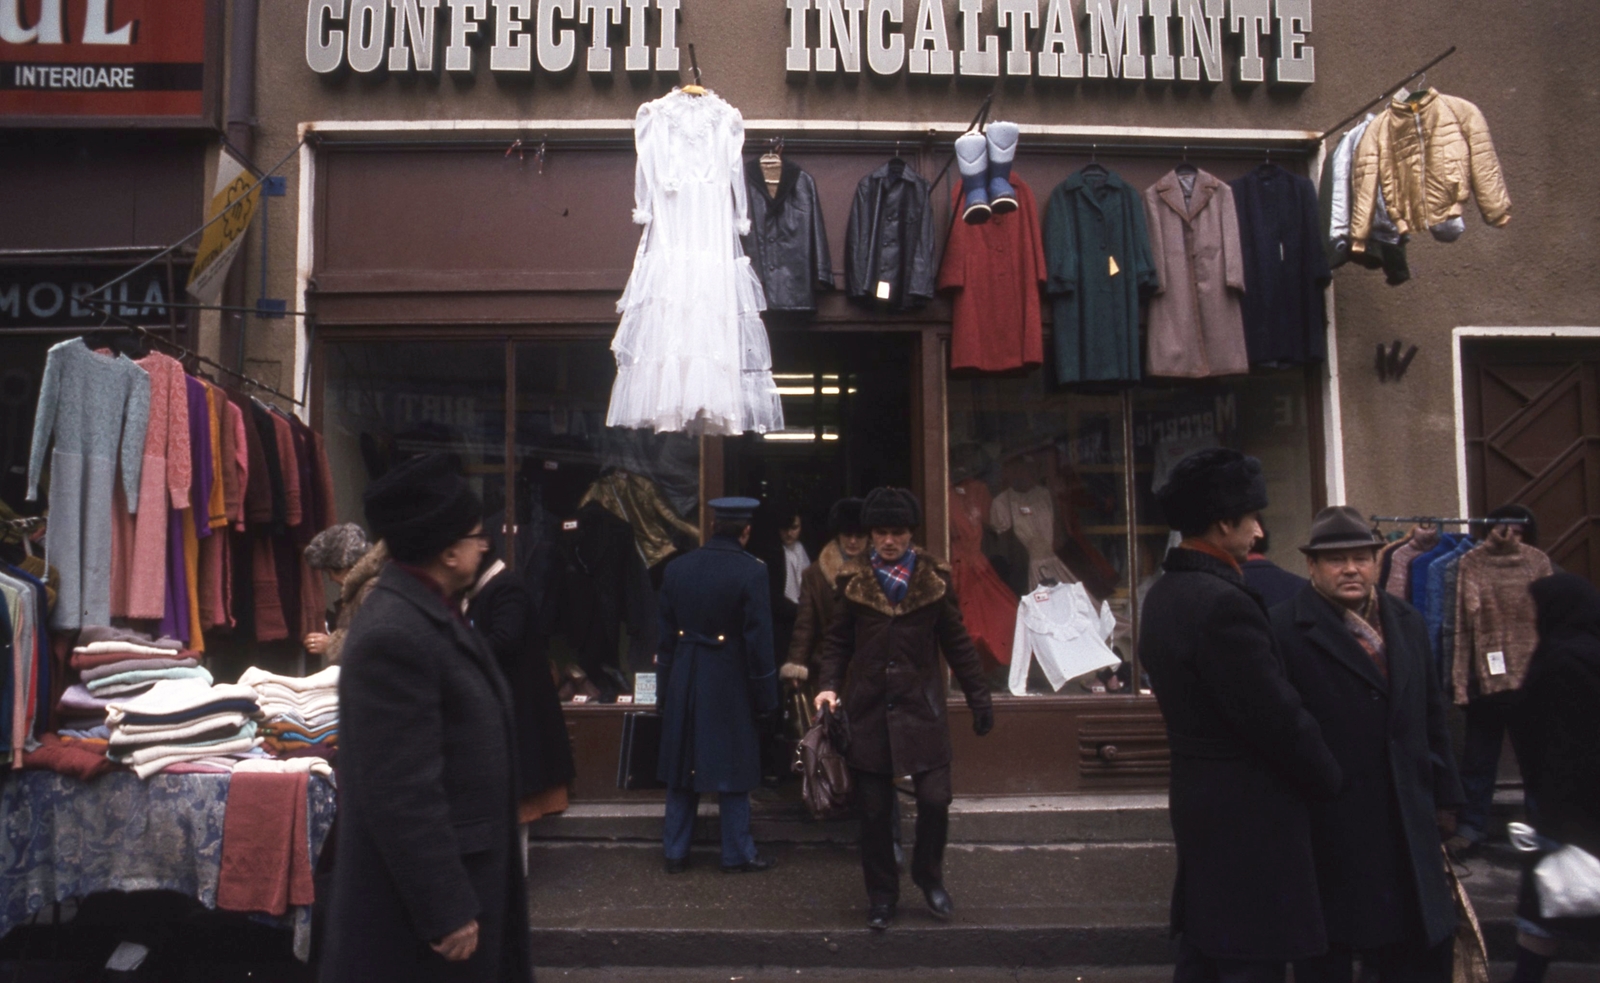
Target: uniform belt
{"type": "Point", "coordinates": [695, 638]}
{"type": "Point", "coordinates": [1211, 748]}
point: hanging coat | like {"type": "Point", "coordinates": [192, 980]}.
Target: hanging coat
{"type": "Point", "coordinates": [1196, 329]}
{"type": "Point", "coordinates": [1377, 842]}
{"type": "Point", "coordinates": [1285, 267]}
{"type": "Point", "coordinates": [888, 245]}
{"type": "Point", "coordinates": [992, 272]}
{"type": "Point", "coordinates": [787, 242]}
{"type": "Point", "coordinates": [1098, 256]}
{"type": "Point", "coordinates": [715, 668]}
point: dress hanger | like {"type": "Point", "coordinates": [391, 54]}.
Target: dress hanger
{"type": "Point", "coordinates": [1094, 166]}
{"type": "Point", "coordinates": [696, 89]}
{"type": "Point", "coordinates": [1184, 167]}
{"type": "Point", "coordinates": [772, 165]}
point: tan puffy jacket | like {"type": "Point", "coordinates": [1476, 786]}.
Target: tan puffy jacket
{"type": "Point", "coordinates": [1427, 156]}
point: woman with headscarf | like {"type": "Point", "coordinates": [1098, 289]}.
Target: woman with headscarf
{"type": "Point", "coordinates": [1555, 729]}
{"type": "Point", "coordinates": [344, 556]}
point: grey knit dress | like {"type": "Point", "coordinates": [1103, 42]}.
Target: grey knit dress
{"type": "Point", "coordinates": [95, 408]}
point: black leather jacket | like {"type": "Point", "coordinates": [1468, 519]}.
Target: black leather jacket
{"type": "Point", "coordinates": [888, 248]}
{"type": "Point", "coordinates": [787, 244]}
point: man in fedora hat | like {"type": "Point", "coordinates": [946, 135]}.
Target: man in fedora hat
{"type": "Point", "coordinates": [715, 675]}
{"type": "Point", "coordinates": [1247, 759]}
{"type": "Point", "coordinates": [1361, 662]}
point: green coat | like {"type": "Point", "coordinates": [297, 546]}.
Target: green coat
{"type": "Point", "coordinates": [1089, 223]}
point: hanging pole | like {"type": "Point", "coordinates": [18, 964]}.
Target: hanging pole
{"type": "Point", "coordinates": [187, 353]}
{"type": "Point", "coordinates": [1429, 520]}
{"type": "Point", "coordinates": [694, 65]}
{"type": "Point", "coordinates": [1385, 94]}
{"type": "Point", "coordinates": [978, 120]}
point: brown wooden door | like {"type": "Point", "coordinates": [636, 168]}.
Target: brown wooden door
{"type": "Point", "coordinates": [1533, 438]}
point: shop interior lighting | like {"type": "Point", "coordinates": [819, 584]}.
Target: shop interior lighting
{"type": "Point", "coordinates": [798, 436]}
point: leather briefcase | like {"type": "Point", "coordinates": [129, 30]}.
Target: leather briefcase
{"type": "Point", "coordinates": [641, 750]}
{"type": "Point", "coordinates": [825, 782]}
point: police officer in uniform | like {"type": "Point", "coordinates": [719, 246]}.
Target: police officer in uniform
{"type": "Point", "coordinates": [718, 684]}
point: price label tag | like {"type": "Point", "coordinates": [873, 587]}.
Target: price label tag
{"type": "Point", "coordinates": [1112, 267]}
{"type": "Point", "coordinates": [1041, 595]}
{"type": "Point", "coordinates": [1097, 688]}
{"type": "Point", "coordinates": [624, 698]}
{"type": "Point", "coordinates": [644, 687]}
{"type": "Point", "coordinates": [960, 490]}
{"type": "Point", "coordinates": [1497, 663]}
{"type": "Point", "coordinates": [552, 465]}
{"type": "Point", "coordinates": [569, 525]}
{"type": "Point", "coordinates": [1025, 509]}
{"type": "Point", "coordinates": [581, 698]}
{"type": "Point", "coordinates": [885, 288]}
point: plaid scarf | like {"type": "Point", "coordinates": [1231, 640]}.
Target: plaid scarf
{"type": "Point", "coordinates": [894, 578]}
{"type": "Point", "coordinates": [1367, 627]}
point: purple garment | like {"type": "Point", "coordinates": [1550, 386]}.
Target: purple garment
{"type": "Point", "coordinates": [175, 613]}
{"type": "Point", "coordinates": [200, 453]}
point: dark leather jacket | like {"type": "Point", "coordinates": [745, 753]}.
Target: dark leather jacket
{"type": "Point", "coordinates": [888, 248]}
{"type": "Point", "coordinates": [787, 244]}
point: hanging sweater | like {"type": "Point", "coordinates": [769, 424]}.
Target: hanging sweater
{"type": "Point", "coordinates": [94, 409]}
{"type": "Point", "coordinates": [1496, 626]}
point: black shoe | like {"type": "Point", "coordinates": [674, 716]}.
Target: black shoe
{"type": "Point", "coordinates": [755, 866]}
{"type": "Point", "coordinates": [879, 916]}
{"type": "Point", "coordinates": [939, 902]}
{"type": "Point", "coordinates": [677, 865]}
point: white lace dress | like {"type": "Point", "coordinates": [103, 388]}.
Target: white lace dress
{"type": "Point", "coordinates": [692, 353]}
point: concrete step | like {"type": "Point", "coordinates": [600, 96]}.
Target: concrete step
{"type": "Point", "coordinates": [779, 817]}
{"type": "Point", "coordinates": [1559, 973]}
{"type": "Point", "coordinates": [1042, 906]}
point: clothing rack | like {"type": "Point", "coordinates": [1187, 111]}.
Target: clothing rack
{"type": "Point", "coordinates": [1335, 128]}
{"type": "Point", "coordinates": [1429, 520]}
{"type": "Point", "coordinates": [23, 522]}
{"type": "Point", "coordinates": [188, 353]}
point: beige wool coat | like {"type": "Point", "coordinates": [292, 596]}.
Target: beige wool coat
{"type": "Point", "coordinates": [1196, 328]}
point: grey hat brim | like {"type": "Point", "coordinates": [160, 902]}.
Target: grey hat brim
{"type": "Point", "coordinates": [1310, 549]}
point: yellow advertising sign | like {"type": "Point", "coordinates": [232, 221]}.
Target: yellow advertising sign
{"type": "Point", "coordinates": [222, 239]}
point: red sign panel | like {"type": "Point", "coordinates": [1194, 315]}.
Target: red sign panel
{"type": "Point", "coordinates": [103, 58]}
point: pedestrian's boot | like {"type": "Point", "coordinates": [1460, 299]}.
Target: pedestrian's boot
{"type": "Point", "coordinates": [1002, 139]}
{"type": "Point", "coordinates": [939, 901]}
{"type": "Point", "coordinates": [879, 915]}
{"type": "Point", "coordinates": [972, 158]}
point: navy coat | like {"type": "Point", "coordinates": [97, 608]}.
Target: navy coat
{"type": "Point", "coordinates": [1377, 842]}
{"type": "Point", "coordinates": [715, 669]}
{"type": "Point", "coordinates": [1247, 761]}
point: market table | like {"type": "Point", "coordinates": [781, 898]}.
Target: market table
{"type": "Point", "coordinates": [65, 839]}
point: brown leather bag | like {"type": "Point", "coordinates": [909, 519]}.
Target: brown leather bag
{"type": "Point", "coordinates": [824, 777]}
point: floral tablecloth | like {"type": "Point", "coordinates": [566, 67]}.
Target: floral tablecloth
{"type": "Point", "coordinates": [65, 839]}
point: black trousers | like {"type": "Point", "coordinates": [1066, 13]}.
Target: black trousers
{"type": "Point", "coordinates": [1195, 966]}
{"type": "Point", "coordinates": [1406, 962]}
{"type": "Point", "coordinates": [875, 796]}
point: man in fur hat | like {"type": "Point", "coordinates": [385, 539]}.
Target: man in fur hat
{"type": "Point", "coordinates": [1247, 758]}
{"type": "Point", "coordinates": [895, 698]}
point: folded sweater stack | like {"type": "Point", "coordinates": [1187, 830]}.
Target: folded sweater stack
{"type": "Point", "coordinates": [113, 663]}
{"type": "Point", "coordinates": [302, 713]}
{"type": "Point", "coordinates": [184, 722]}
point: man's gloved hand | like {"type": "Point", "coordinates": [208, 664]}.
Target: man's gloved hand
{"type": "Point", "coordinates": [982, 720]}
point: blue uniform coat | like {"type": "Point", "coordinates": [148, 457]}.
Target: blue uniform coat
{"type": "Point", "coordinates": [715, 668]}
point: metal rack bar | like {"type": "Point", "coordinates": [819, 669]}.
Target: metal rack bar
{"type": "Point", "coordinates": [1437, 521]}
{"type": "Point", "coordinates": [1335, 128]}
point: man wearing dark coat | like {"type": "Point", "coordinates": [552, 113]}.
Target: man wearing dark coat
{"type": "Point", "coordinates": [895, 613]}
{"type": "Point", "coordinates": [427, 885]}
{"type": "Point", "coordinates": [1361, 661]}
{"type": "Point", "coordinates": [1247, 758]}
{"type": "Point", "coordinates": [716, 674]}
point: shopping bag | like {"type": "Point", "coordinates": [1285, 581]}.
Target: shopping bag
{"type": "Point", "coordinates": [1471, 964]}
{"type": "Point", "coordinates": [1569, 883]}
{"type": "Point", "coordinates": [824, 777]}
{"type": "Point", "coordinates": [641, 750]}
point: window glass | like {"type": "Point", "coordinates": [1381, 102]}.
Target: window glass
{"type": "Point", "coordinates": [1038, 509]}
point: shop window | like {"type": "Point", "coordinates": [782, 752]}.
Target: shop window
{"type": "Point", "coordinates": [1040, 489]}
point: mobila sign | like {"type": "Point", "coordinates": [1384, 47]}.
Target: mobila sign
{"type": "Point", "coordinates": [1156, 40]}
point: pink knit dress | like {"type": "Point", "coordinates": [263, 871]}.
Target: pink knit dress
{"type": "Point", "coordinates": [166, 476]}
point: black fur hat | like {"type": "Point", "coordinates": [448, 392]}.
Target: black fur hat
{"type": "Point", "coordinates": [845, 516]}
{"type": "Point", "coordinates": [1211, 484]}
{"type": "Point", "coordinates": [888, 507]}
{"type": "Point", "coordinates": [421, 507]}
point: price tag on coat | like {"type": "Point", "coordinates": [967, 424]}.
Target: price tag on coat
{"type": "Point", "coordinates": [1025, 509]}
{"type": "Point", "coordinates": [1041, 595]}
{"type": "Point", "coordinates": [1113, 267]}
{"type": "Point", "coordinates": [884, 289]}
{"type": "Point", "coordinates": [1497, 663]}
{"type": "Point", "coordinates": [569, 525]}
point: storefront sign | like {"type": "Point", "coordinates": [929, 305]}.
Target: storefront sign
{"type": "Point", "coordinates": [99, 59]}
{"type": "Point", "coordinates": [1047, 39]}
{"type": "Point", "coordinates": [232, 206]}
{"type": "Point", "coordinates": [59, 297]}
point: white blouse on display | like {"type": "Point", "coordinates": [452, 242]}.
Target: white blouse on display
{"type": "Point", "coordinates": [1061, 627]}
{"type": "Point", "coordinates": [692, 353]}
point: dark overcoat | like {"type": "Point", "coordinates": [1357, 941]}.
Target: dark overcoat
{"type": "Point", "coordinates": [1377, 842]}
{"type": "Point", "coordinates": [884, 661]}
{"type": "Point", "coordinates": [1285, 267]}
{"type": "Point", "coordinates": [715, 668]}
{"type": "Point", "coordinates": [788, 241]}
{"type": "Point", "coordinates": [503, 611]}
{"type": "Point", "coordinates": [427, 798]}
{"type": "Point", "coordinates": [889, 251]}
{"type": "Point", "coordinates": [1247, 758]}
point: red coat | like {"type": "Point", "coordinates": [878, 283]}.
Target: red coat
{"type": "Point", "coordinates": [992, 273]}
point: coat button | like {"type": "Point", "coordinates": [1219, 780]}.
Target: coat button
{"type": "Point", "coordinates": [891, 706]}
{"type": "Point", "coordinates": [1374, 696]}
